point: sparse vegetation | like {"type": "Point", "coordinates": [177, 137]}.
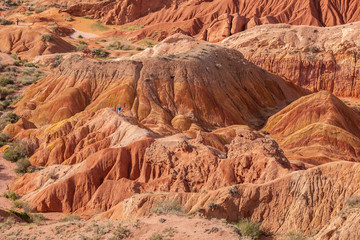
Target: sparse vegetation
{"type": "Point", "coordinates": [3, 21]}
{"type": "Point", "coordinates": [81, 46]}
{"type": "Point", "coordinates": [129, 28]}
{"type": "Point", "coordinates": [30, 65]}
{"type": "Point", "coordinates": [69, 19]}
{"type": "Point", "coordinates": [14, 56]}
{"type": "Point", "coordinates": [11, 195]}
{"type": "Point", "coordinates": [8, 118]}
{"type": "Point", "coordinates": [98, 52]}
{"type": "Point", "coordinates": [22, 165]}
{"type": "Point", "coordinates": [353, 201]}
{"type": "Point", "coordinates": [47, 38]}
{"type": "Point", "coordinates": [157, 236]}
{"type": "Point", "coordinates": [59, 59]}
{"type": "Point", "coordinates": [30, 75]}
{"type": "Point", "coordinates": [70, 218]}
{"type": "Point", "coordinates": [232, 190]}
{"type": "Point", "coordinates": [4, 138]}
{"type": "Point", "coordinates": [39, 9]}
{"type": "Point", "coordinates": [167, 206]}
{"type": "Point", "coordinates": [312, 49]}
{"type": "Point", "coordinates": [119, 46]}
{"type": "Point", "coordinates": [147, 42]}
{"type": "Point", "coordinates": [99, 27]}
{"type": "Point", "coordinates": [52, 175]}
{"type": "Point", "coordinates": [23, 215]}
{"type": "Point", "coordinates": [121, 232]}
{"type": "Point", "coordinates": [16, 152]}
{"type": "Point", "coordinates": [295, 236]}
{"type": "Point", "coordinates": [7, 223]}
{"type": "Point", "coordinates": [22, 205]}
{"type": "Point", "coordinates": [37, 218]}
{"type": "Point", "coordinates": [249, 229]}
{"type": "Point", "coordinates": [17, 62]}
{"type": "Point", "coordinates": [213, 206]}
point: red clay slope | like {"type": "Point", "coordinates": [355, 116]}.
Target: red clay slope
{"type": "Point", "coordinates": [27, 41]}
{"type": "Point", "coordinates": [315, 58]}
{"type": "Point", "coordinates": [316, 129]}
{"type": "Point", "coordinates": [217, 19]}
{"type": "Point", "coordinates": [204, 88]}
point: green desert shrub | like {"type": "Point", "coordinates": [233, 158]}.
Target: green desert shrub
{"type": "Point", "coordinates": [6, 80]}
{"type": "Point", "coordinates": [16, 152]}
{"type": "Point", "coordinates": [294, 236]}
{"type": "Point", "coordinates": [11, 195]}
{"type": "Point", "coordinates": [213, 206]}
{"type": "Point", "coordinates": [8, 118]}
{"type": "Point", "coordinates": [39, 9]}
{"type": "Point", "coordinates": [69, 19]}
{"type": "Point", "coordinates": [17, 62]}
{"type": "Point", "coordinates": [30, 65]}
{"type": "Point", "coordinates": [166, 206]}
{"type": "Point", "coordinates": [37, 218]}
{"type": "Point", "coordinates": [98, 52]}
{"type": "Point", "coordinates": [353, 201]}
{"type": "Point", "coordinates": [47, 38]}
{"type": "Point", "coordinates": [99, 27]}
{"type": "Point", "coordinates": [22, 165]}
{"type": "Point", "coordinates": [157, 236]}
{"type": "Point", "coordinates": [119, 46]}
{"type": "Point", "coordinates": [4, 138]}
{"type": "Point", "coordinates": [59, 59]}
{"type": "Point", "coordinates": [5, 91]}
{"type": "Point", "coordinates": [249, 228]}
{"type": "Point", "coordinates": [14, 56]}
{"type": "Point", "coordinates": [121, 232]}
{"type": "Point", "coordinates": [23, 215]}
{"type": "Point", "coordinates": [3, 21]}
{"type": "Point", "coordinates": [70, 218]}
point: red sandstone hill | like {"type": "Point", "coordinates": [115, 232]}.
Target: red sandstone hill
{"type": "Point", "coordinates": [178, 139]}
{"type": "Point", "coordinates": [216, 19]}
{"type": "Point", "coordinates": [204, 88]}
{"type": "Point", "coordinates": [252, 180]}
{"type": "Point", "coordinates": [312, 57]}
{"type": "Point", "coordinates": [28, 41]}
{"type": "Point", "coordinates": [316, 129]}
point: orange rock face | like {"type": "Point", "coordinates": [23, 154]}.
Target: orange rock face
{"type": "Point", "coordinates": [73, 140]}
{"type": "Point", "coordinates": [27, 42]}
{"type": "Point", "coordinates": [311, 57]}
{"type": "Point", "coordinates": [299, 201]}
{"type": "Point", "coordinates": [217, 19]}
{"type": "Point", "coordinates": [205, 88]}
{"type": "Point", "coordinates": [171, 164]}
{"type": "Point", "coordinates": [316, 129]}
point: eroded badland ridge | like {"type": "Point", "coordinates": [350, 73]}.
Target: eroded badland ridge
{"type": "Point", "coordinates": [180, 119]}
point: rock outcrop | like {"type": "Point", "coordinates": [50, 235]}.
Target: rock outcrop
{"type": "Point", "coordinates": [303, 201]}
{"type": "Point", "coordinates": [311, 57]}
{"type": "Point", "coordinates": [31, 41]}
{"type": "Point", "coordinates": [171, 164]}
{"type": "Point", "coordinates": [73, 140]}
{"type": "Point", "coordinates": [217, 19]}
{"type": "Point", "coordinates": [316, 129]}
{"type": "Point", "coordinates": [204, 88]}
